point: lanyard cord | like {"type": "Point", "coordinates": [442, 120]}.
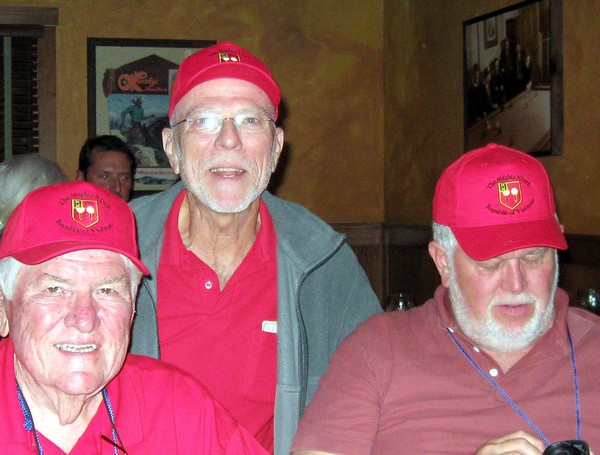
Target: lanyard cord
{"type": "Point", "coordinates": [30, 426]}
{"type": "Point", "coordinates": [28, 423]}
{"type": "Point", "coordinates": [512, 403]}
{"type": "Point", "coordinates": [115, 433]}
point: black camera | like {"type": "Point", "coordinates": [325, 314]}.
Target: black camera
{"type": "Point", "coordinates": [568, 448]}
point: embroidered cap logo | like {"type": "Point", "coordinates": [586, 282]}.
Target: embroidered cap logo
{"type": "Point", "coordinates": [226, 57]}
{"type": "Point", "coordinates": [85, 212]}
{"type": "Point", "coordinates": [510, 194]}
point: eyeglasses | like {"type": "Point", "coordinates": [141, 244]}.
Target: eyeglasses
{"type": "Point", "coordinates": [211, 123]}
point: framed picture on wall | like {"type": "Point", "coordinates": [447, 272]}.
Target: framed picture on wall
{"type": "Point", "coordinates": [490, 32]}
{"type": "Point", "coordinates": [129, 86]}
{"type": "Point", "coordinates": [513, 78]}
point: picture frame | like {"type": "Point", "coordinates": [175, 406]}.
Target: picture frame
{"type": "Point", "coordinates": [129, 87]}
{"type": "Point", "coordinates": [490, 31]}
{"type": "Point", "coordinates": [513, 78]}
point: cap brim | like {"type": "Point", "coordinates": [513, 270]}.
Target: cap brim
{"type": "Point", "coordinates": [485, 242]}
{"type": "Point", "coordinates": [242, 71]}
{"type": "Point", "coordinates": [41, 253]}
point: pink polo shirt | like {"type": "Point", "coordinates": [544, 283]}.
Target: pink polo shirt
{"type": "Point", "coordinates": [399, 384]}
{"type": "Point", "coordinates": [225, 339]}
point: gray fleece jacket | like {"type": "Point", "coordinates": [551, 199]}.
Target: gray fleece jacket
{"type": "Point", "coordinates": [323, 294]}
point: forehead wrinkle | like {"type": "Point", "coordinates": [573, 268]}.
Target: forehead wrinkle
{"type": "Point", "coordinates": [116, 279]}
{"type": "Point", "coordinates": [108, 279]}
{"type": "Point", "coordinates": [50, 277]}
{"type": "Point", "coordinates": [539, 250]}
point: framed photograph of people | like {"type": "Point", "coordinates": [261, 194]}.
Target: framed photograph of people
{"type": "Point", "coordinates": [129, 85]}
{"type": "Point", "coordinates": [513, 78]}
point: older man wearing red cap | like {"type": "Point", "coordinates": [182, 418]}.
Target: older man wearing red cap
{"type": "Point", "coordinates": [69, 273]}
{"type": "Point", "coordinates": [496, 362]}
{"type": "Point", "coordinates": [248, 293]}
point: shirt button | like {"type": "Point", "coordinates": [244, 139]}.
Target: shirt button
{"type": "Point", "coordinates": [208, 285]}
{"type": "Point", "coordinates": [493, 372]}
{"type": "Point", "coordinates": [475, 348]}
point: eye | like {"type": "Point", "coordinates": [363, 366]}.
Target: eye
{"type": "Point", "coordinates": [489, 266]}
{"type": "Point", "coordinates": [53, 290]}
{"type": "Point", "coordinates": [249, 120]}
{"type": "Point", "coordinates": [107, 291]}
{"type": "Point", "coordinates": [532, 259]}
{"type": "Point", "coordinates": [204, 123]}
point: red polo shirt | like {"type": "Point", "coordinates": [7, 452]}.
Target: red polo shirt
{"type": "Point", "coordinates": [221, 337]}
{"type": "Point", "coordinates": [158, 409]}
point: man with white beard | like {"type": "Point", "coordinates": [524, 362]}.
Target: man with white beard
{"type": "Point", "coordinates": [496, 362]}
{"type": "Point", "coordinates": [249, 293]}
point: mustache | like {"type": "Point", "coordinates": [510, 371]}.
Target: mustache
{"type": "Point", "coordinates": [522, 298]}
{"type": "Point", "coordinates": [224, 160]}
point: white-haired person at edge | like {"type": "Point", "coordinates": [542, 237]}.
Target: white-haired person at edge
{"type": "Point", "coordinates": [21, 174]}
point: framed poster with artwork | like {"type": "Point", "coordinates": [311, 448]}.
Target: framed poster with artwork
{"type": "Point", "coordinates": [513, 78]}
{"type": "Point", "coordinates": [129, 86]}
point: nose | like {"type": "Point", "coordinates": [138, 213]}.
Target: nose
{"type": "Point", "coordinates": [228, 137]}
{"type": "Point", "coordinates": [114, 186]}
{"type": "Point", "coordinates": [513, 278]}
{"type": "Point", "coordinates": [82, 314]}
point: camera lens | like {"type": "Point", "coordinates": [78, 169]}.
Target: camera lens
{"type": "Point", "coordinates": [568, 448]}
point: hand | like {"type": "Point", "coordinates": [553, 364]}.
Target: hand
{"type": "Point", "coordinates": [517, 443]}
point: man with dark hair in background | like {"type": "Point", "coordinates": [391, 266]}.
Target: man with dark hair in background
{"type": "Point", "coordinates": [108, 162]}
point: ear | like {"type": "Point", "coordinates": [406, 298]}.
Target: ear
{"type": "Point", "coordinates": [79, 176]}
{"type": "Point", "coordinates": [438, 254]}
{"type": "Point", "coordinates": [3, 317]}
{"type": "Point", "coordinates": [168, 138]}
{"type": "Point", "coordinates": [277, 146]}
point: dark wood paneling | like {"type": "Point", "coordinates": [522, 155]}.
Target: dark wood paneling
{"type": "Point", "coordinates": [394, 257]}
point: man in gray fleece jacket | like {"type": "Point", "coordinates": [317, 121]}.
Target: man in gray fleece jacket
{"type": "Point", "coordinates": [248, 293]}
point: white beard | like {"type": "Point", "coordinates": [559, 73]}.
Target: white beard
{"type": "Point", "coordinates": [489, 333]}
{"type": "Point", "coordinates": [200, 191]}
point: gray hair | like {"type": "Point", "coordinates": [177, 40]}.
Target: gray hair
{"type": "Point", "coordinates": [10, 268]}
{"type": "Point", "coordinates": [20, 175]}
{"type": "Point", "coordinates": [445, 237]}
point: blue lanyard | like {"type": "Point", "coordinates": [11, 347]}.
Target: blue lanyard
{"type": "Point", "coordinates": [30, 426]}
{"type": "Point", "coordinates": [512, 403]}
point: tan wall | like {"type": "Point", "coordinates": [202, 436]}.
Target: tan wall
{"type": "Point", "coordinates": [326, 55]}
{"type": "Point", "coordinates": [329, 59]}
{"type": "Point", "coordinates": [424, 113]}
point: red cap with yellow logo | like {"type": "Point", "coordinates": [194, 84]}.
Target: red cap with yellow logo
{"type": "Point", "coordinates": [66, 217]}
{"type": "Point", "coordinates": [225, 60]}
{"type": "Point", "coordinates": [497, 199]}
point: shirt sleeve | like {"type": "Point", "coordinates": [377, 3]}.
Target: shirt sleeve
{"type": "Point", "coordinates": [344, 413]}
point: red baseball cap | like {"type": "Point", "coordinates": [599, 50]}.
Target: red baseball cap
{"type": "Point", "coordinates": [66, 217]}
{"type": "Point", "coordinates": [225, 60]}
{"type": "Point", "coordinates": [497, 199]}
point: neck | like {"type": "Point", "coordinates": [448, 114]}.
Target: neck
{"type": "Point", "coordinates": [221, 240]}
{"type": "Point", "coordinates": [61, 417]}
